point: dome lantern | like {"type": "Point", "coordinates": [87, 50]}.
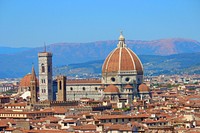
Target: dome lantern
{"type": "Point", "coordinates": [121, 42]}
{"type": "Point", "coordinates": [122, 59]}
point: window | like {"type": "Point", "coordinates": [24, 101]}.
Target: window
{"type": "Point", "coordinates": [84, 88]}
{"type": "Point", "coordinates": [60, 85]}
{"type": "Point", "coordinates": [43, 68]}
{"type": "Point", "coordinates": [43, 80]}
{"type": "Point", "coordinates": [96, 88]}
{"type": "Point", "coordinates": [113, 79]}
{"type": "Point", "coordinates": [127, 79]}
{"type": "Point", "coordinates": [71, 88]}
{"type": "Point", "coordinates": [44, 90]}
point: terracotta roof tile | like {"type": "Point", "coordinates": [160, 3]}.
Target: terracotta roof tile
{"type": "Point", "coordinates": [144, 88]}
{"type": "Point", "coordinates": [26, 81]}
{"type": "Point", "coordinates": [122, 59]}
{"type": "Point", "coordinates": [128, 86]}
{"type": "Point", "coordinates": [111, 88]}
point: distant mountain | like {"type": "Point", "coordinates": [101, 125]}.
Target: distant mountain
{"type": "Point", "coordinates": [17, 64]}
{"type": "Point", "coordinates": [153, 65]}
{"type": "Point", "coordinates": [165, 46]}
{"type": "Point", "coordinates": [9, 50]}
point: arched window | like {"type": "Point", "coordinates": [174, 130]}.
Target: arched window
{"type": "Point", "coordinates": [43, 68]}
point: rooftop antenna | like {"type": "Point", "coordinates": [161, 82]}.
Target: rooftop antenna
{"type": "Point", "coordinates": [45, 47]}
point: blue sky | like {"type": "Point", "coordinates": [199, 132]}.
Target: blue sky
{"type": "Point", "coordinates": [30, 23]}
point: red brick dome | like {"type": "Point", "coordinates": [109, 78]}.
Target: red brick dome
{"type": "Point", "coordinates": [26, 81]}
{"type": "Point", "coordinates": [143, 88]}
{"type": "Point", "coordinates": [122, 59]}
{"type": "Point", "coordinates": [111, 89]}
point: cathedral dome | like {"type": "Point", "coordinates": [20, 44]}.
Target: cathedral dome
{"type": "Point", "coordinates": [122, 59]}
{"type": "Point", "coordinates": [26, 81]}
{"type": "Point", "coordinates": [143, 88]}
{"type": "Point", "coordinates": [111, 89]}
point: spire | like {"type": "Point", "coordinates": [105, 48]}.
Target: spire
{"type": "Point", "coordinates": [33, 75]}
{"type": "Point", "coordinates": [121, 40]}
{"type": "Point", "coordinates": [33, 87]}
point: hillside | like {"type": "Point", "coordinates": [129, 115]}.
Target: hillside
{"type": "Point", "coordinates": [153, 65]}
{"type": "Point", "coordinates": [17, 64]}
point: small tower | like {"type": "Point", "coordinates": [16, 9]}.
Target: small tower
{"type": "Point", "coordinates": [61, 85]}
{"type": "Point", "coordinates": [45, 75]}
{"type": "Point", "coordinates": [33, 87]}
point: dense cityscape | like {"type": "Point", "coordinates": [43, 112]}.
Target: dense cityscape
{"type": "Point", "coordinates": [122, 101]}
{"type": "Point", "coordinates": [99, 66]}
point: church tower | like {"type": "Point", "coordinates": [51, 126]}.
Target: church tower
{"type": "Point", "coordinates": [45, 76]}
{"type": "Point", "coordinates": [61, 84]}
{"type": "Point", "coordinates": [33, 87]}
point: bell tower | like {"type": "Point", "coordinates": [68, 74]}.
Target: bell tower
{"type": "Point", "coordinates": [61, 84]}
{"type": "Point", "coordinates": [33, 87]}
{"type": "Point", "coordinates": [45, 75]}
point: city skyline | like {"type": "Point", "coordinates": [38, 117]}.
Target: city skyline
{"type": "Point", "coordinates": [99, 66]}
{"type": "Point", "coordinates": [31, 23]}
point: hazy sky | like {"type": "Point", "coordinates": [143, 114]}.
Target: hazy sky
{"type": "Point", "coordinates": [30, 23]}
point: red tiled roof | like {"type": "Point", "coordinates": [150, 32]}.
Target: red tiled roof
{"type": "Point", "coordinates": [16, 104]}
{"type": "Point", "coordinates": [111, 88]}
{"type": "Point", "coordinates": [3, 123]}
{"type": "Point", "coordinates": [122, 116]}
{"type": "Point", "coordinates": [50, 118]}
{"type": "Point", "coordinates": [45, 131]}
{"type": "Point", "coordinates": [122, 59]}
{"type": "Point", "coordinates": [128, 86]}
{"type": "Point", "coordinates": [144, 88]}
{"type": "Point", "coordinates": [59, 110]}
{"type": "Point", "coordinates": [88, 127]}
{"type": "Point", "coordinates": [26, 81]}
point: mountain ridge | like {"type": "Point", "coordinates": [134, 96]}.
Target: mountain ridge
{"type": "Point", "coordinates": [18, 64]}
